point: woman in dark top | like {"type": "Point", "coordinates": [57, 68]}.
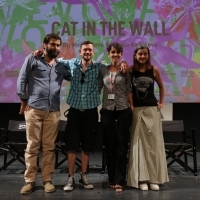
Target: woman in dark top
{"type": "Point", "coordinates": [147, 160]}
{"type": "Point", "coordinates": [116, 116]}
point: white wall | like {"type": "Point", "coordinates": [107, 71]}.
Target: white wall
{"type": "Point", "coordinates": [63, 108]}
{"type": "Point", "coordinates": [167, 111]}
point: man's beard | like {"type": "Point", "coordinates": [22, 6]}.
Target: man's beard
{"type": "Point", "coordinates": [86, 59]}
{"type": "Point", "coordinates": [52, 53]}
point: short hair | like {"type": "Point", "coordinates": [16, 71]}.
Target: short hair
{"type": "Point", "coordinates": [85, 43]}
{"type": "Point", "coordinates": [116, 45]}
{"type": "Point", "coordinates": [49, 36]}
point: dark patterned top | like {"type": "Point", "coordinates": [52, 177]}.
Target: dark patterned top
{"type": "Point", "coordinates": [143, 88]}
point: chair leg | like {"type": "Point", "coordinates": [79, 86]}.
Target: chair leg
{"type": "Point", "coordinates": [195, 161]}
{"type": "Point", "coordinates": [5, 158]}
{"type": "Point", "coordinates": [103, 160]}
{"type": "Point", "coordinates": [185, 157]}
{"type": "Point", "coordinates": [194, 151]}
{"type": "Point", "coordinates": [56, 154]}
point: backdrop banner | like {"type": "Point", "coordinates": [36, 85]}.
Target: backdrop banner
{"type": "Point", "coordinates": [171, 30]}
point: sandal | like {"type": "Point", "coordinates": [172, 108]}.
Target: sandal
{"type": "Point", "coordinates": [119, 188]}
{"type": "Point", "coordinates": [112, 185]}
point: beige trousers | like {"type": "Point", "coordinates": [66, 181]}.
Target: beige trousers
{"type": "Point", "coordinates": [41, 133]}
{"type": "Point", "coordinates": [147, 159]}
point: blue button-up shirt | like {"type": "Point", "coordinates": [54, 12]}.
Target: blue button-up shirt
{"type": "Point", "coordinates": [85, 95]}
{"type": "Point", "coordinates": [40, 83]}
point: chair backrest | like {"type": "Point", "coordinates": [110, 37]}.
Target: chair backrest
{"type": "Point", "coordinates": [173, 131]}
{"type": "Point", "coordinates": [62, 125]}
{"type": "Point", "coordinates": [16, 131]}
{"type": "Point", "coordinates": [173, 126]}
{"type": "Point", "coordinates": [62, 130]}
{"type": "Point", "coordinates": [16, 125]}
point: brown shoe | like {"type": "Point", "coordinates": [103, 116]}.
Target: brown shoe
{"type": "Point", "coordinates": [27, 188]}
{"type": "Point", "coordinates": [49, 187]}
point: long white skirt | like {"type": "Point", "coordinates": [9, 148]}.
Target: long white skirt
{"type": "Point", "coordinates": [147, 159]}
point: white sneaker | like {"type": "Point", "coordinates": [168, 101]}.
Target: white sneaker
{"type": "Point", "coordinates": [154, 186]}
{"type": "Point", "coordinates": [143, 186]}
{"type": "Point", "coordinates": [70, 184]}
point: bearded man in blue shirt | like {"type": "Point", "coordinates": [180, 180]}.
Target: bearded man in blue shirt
{"type": "Point", "coordinates": [38, 87]}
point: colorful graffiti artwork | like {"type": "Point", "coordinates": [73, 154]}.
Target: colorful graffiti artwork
{"type": "Point", "coordinates": [170, 28]}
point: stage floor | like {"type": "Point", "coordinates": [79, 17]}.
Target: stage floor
{"type": "Point", "coordinates": [182, 185]}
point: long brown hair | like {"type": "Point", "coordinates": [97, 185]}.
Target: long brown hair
{"type": "Point", "coordinates": [135, 66]}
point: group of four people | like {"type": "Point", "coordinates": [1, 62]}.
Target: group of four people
{"type": "Point", "coordinates": [129, 110]}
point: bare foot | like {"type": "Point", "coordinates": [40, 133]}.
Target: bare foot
{"type": "Point", "coordinates": [119, 188]}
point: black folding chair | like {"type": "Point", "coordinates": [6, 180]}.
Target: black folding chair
{"type": "Point", "coordinates": [2, 133]}
{"type": "Point", "coordinates": [14, 143]}
{"type": "Point", "coordinates": [185, 147]}
{"type": "Point", "coordinates": [61, 147]}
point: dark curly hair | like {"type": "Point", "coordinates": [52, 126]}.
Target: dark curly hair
{"type": "Point", "coordinates": [116, 45]}
{"type": "Point", "coordinates": [48, 37]}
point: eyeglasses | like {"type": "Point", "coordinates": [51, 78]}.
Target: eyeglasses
{"type": "Point", "coordinates": [82, 77]}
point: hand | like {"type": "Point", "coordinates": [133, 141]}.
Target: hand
{"type": "Point", "coordinates": [132, 108]}
{"type": "Point", "coordinates": [104, 62]}
{"type": "Point", "coordinates": [22, 108]}
{"type": "Point", "coordinates": [38, 52]}
{"type": "Point", "coordinates": [124, 66]}
{"type": "Point", "coordinates": [160, 105]}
